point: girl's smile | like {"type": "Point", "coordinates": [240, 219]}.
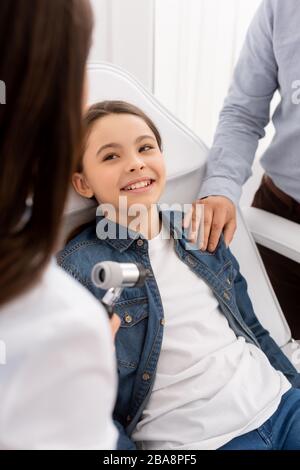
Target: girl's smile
{"type": "Point", "coordinates": [140, 185]}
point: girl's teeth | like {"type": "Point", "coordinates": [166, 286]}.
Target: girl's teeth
{"type": "Point", "coordinates": [142, 184]}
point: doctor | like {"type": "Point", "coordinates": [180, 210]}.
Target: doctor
{"type": "Point", "coordinates": [57, 385]}
{"type": "Point", "coordinates": [269, 61]}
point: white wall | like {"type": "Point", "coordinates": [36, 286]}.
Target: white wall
{"type": "Point", "coordinates": [197, 43]}
{"type": "Point", "coordinates": [123, 35]}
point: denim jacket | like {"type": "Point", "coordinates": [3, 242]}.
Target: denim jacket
{"type": "Point", "coordinates": [139, 339]}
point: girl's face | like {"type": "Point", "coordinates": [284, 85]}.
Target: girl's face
{"type": "Point", "coordinates": [122, 158]}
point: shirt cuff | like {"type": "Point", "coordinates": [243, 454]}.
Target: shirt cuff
{"type": "Point", "coordinates": [221, 186]}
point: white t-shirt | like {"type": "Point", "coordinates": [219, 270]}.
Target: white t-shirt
{"type": "Point", "coordinates": [58, 385]}
{"type": "Point", "coordinates": [210, 385]}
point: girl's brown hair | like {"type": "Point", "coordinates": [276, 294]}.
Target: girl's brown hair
{"type": "Point", "coordinates": [44, 45]}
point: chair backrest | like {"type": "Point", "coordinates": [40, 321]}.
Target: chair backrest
{"type": "Point", "coordinates": [185, 156]}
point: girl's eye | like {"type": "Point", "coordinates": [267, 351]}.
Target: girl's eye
{"type": "Point", "coordinates": [109, 157]}
{"type": "Point", "coordinates": [146, 147]}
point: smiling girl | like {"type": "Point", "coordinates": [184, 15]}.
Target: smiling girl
{"type": "Point", "coordinates": [196, 368]}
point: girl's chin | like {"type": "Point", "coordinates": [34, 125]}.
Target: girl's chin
{"type": "Point", "coordinates": [145, 202]}
{"type": "Point", "coordinates": [142, 200]}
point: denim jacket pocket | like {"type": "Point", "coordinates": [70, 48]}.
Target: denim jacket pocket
{"type": "Point", "coordinates": [132, 332]}
{"type": "Point", "coordinates": [132, 311]}
{"type": "Point", "coordinates": [227, 275]}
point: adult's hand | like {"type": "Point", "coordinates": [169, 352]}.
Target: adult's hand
{"type": "Point", "coordinates": [219, 216]}
{"type": "Point", "coordinates": [115, 323]}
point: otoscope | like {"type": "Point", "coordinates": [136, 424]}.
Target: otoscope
{"type": "Point", "coordinates": [115, 277]}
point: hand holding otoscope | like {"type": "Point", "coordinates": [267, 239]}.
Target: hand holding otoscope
{"type": "Point", "coordinates": [115, 277]}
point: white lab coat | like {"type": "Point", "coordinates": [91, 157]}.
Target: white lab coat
{"type": "Point", "coordinates": [58, 386]}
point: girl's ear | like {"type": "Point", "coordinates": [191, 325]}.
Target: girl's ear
{"type": "Point", "coordinates": [81, 186]}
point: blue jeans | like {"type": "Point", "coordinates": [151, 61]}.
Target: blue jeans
{"type": "Point", "coordinates": [280, 432]}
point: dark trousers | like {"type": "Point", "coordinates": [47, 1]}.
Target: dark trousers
{"type": "Point", "coordinates": [284, 273]}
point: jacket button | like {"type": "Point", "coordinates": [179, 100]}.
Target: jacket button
{"type": "Point", "coordinates": [146, 376]}
{"type": "Point", "coordinates": [228, 281]}
{"type": "Point", "coordinates": [140, 242]}
{"type": "Point", "coordinates": [162, 321]}
{"type": "Point", "coordinates": [226, 296]}
{"type": "Point", "coordinates": [128, 318]}
{"type": "Point", "coordinates": [128, 418]}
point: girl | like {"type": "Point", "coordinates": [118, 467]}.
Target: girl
{"type": "Point", "coordinates": [196, 368]}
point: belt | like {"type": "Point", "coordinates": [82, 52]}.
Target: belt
{"type": "Point", "coordinates": [281, 195]}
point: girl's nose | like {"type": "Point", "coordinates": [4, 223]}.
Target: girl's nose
{"type": "Point", "coordinates": [135, 164]}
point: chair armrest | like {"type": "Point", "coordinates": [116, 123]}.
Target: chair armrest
{"type": "Point", "coordinates": [274, 232]}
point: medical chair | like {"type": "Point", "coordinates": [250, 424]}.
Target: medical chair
{"type": "Point", "coordinates": [185, 155]}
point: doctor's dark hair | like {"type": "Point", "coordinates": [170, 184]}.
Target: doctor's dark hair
{"type": "Point", "coordinates": [44, 46]}
{"type": "Point", "coordinates": [105, 108]}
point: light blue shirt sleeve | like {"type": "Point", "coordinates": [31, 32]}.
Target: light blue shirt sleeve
{"type": "Point", "coordinates": [246, 111]}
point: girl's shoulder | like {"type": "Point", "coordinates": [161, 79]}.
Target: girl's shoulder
{"type": "Point", "coordinates": [84, 246]}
